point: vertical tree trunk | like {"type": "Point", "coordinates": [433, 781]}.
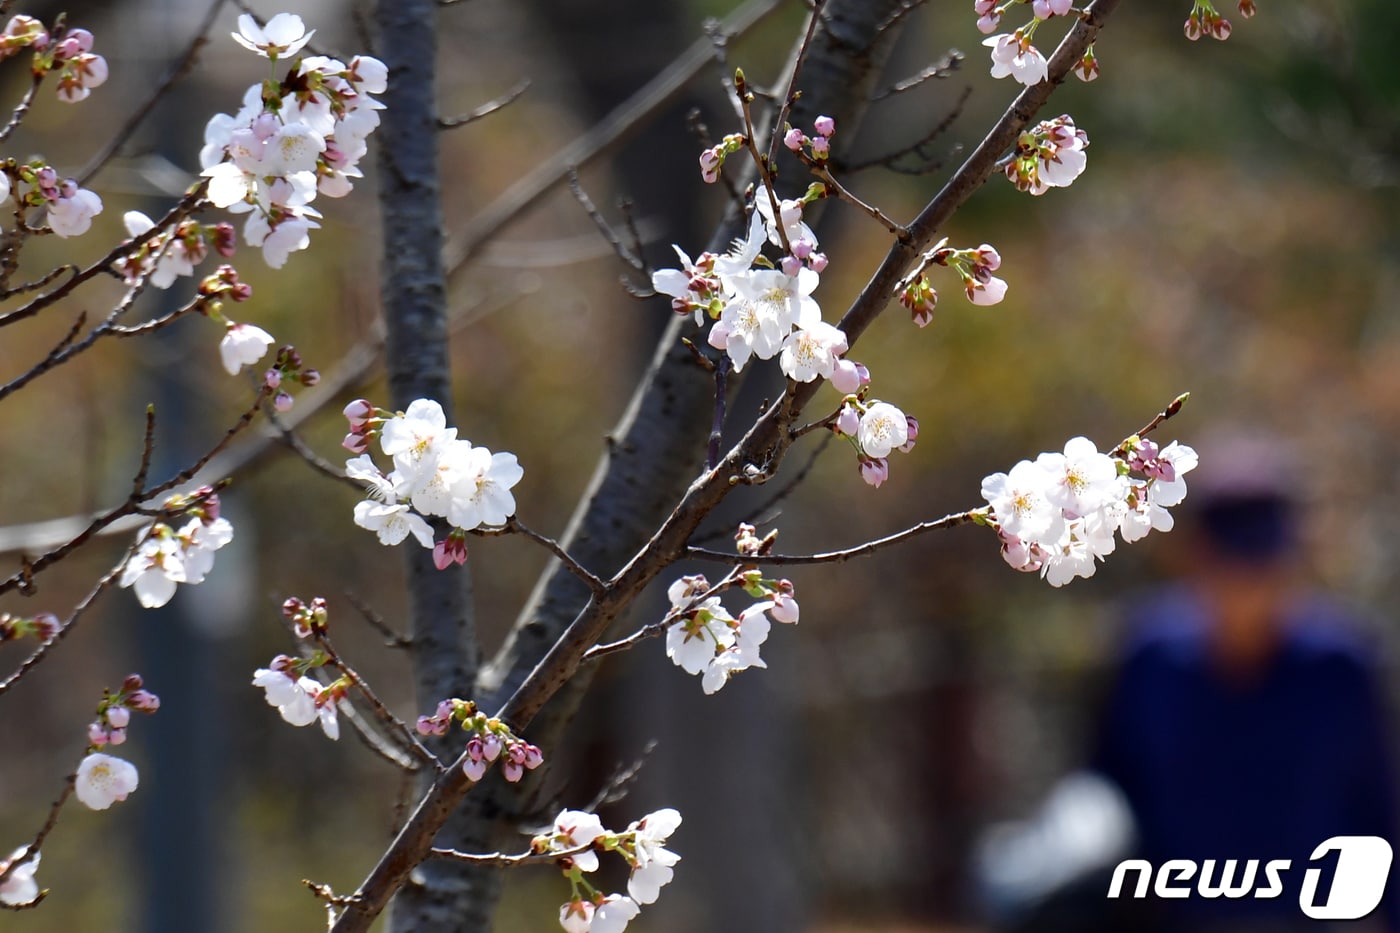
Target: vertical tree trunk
{"type": "Point", "coordinates": [414, 297]}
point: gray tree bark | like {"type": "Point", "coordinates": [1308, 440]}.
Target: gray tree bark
{"type": "Point", "coordinates": [444, 652]}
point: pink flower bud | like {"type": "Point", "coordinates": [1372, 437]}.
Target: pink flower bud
{"type": "Point", "coordinates": [117, 736]}
{"type": "Point", "coordinates": [491, 746]}
{"type": "Point", "coordinates": [118, 716]}
{"type": "Point", "coordinates": [272, 378]}
{"type": "Point", "coordinates": [802, 248]}
{"type": "Point", "coordinates": [794, 139]}
{"type": "Point", "coordinates": [848, 421]}
{"type": "Point", "coordinates": [824, 125]}
{"type": "Point", "coordinates": [97, 734]}
{"type": "Point", "coordinates": [143, 701]}
{"type": "Point", "coordinates": [355, 443]}
{"type": "Point", "coordinates": [81, 37]}
{"type": "Point", "coordinates": [282, 402]}
{"type": "Point", "coordinates": [512, 771]}
{"type": "Point", "coordinates": [817, 262]}
{"type": "Point", "coordinates": [474, 768]}
{"type": "Point", "coordinates": [358, 412]}
{"type": "Point", "coordinates": [821, 147]}
{"type": "Point", "coordinates": [790, 265]}
{"type": "Point", "coordinates": [845, 378]}
{"type": "Point", "coordinates": [913, 427]}
{"type": "Point", "coordinates": [533, 757]}
{"type": "Point", "coordinates": [132, 682]}
{"type": "Point", "coordinates": [784, 608]}
{"type": "Point", "coordinates": [874, 470]}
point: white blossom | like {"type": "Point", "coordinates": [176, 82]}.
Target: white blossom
{"type": "Point", "coordinates": [243, 345]}
{"type": "Point", "coordinates": [20, 887]}
{"type": "Point", "coordinates": [103, 780]}
{"type": "Point", "coordinates": [282, 36]}
{"type": "Point", "coordinates": [883, 427]}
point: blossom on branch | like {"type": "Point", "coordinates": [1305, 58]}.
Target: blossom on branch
{"type": "Point", "coordinates": [103, 780]}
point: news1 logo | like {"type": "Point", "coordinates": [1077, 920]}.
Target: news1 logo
{"type": "Point", "coordinates": [1358, 872]}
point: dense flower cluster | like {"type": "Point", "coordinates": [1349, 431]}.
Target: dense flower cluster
{"type": "Point", "coordinates": [66, 53]}
{"type": "Point", "coordinates": [577, 836]}
{"type": "Point", "coordinates": [1049, 155]}
{"type": "Point", "coordinates": [703, 638]}
{"type": "Point", "coordinates": [491, 740]}
{"type": "Point", "coordinates": [165, 556]}
{"type": "Point", "coordinates": [292, 139]}
{"type": "Point", "coordinates": [435, 473]}
{"type": "Point", "coordinates": [1058, 514]}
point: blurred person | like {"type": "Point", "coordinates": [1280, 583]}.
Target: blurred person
{"type": "Point", "coordinates": [1245, 721]}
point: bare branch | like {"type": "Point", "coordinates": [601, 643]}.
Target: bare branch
{"type": "Point", "coordinates": [836, 557]}
{"type": "Point", "coordinates": [940, 69]}
{"type": "Point", "coordinates": [486, 109]}
{"type": "Point", "coordinates": [178, 72]}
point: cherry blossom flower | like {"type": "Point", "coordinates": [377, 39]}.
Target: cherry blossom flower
{"type": "Point", "coordinates": [393, 522]}
{"type": "Point", "coordinates": [243, 345]}
{"type": "Point", "coordinates": [72, 212]}
{"type": "Point", "coordinates": [812, 351]}
{"type": "Point", "coordinates": [103, 780]}
{"type": "Point", "coordinates": [20, 887]}
{"type": "Point", "coordinates": [482, 496]}
{"type": "Point", "coordinates": [283, 36]}
{"type": "Point", "coordinates": [613, 914]}
{"type": "Point", "coordinates": [652, 866]}
{"type": "Point", "coordinates": [1082, 480]}
{"type": "Point", "coordinates": [574, 828]}
{"type": "Point", "coordinates": [1021, 505]}
{"type": "Point", "coordinates": [883, 427]}
{"type": "Point", "coordinates": [1012, 54]}
{"type": "Point", "coordinates": [300, 700]}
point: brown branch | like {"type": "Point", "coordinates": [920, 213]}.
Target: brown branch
{"type": "Point", "coordinates": [503, 860]}
{"type": "Point", "coordinates": [1122, 449]}
{"type": "Point", "coordinates": [22, 108]}
{"type": "Point", "coordinates": [929, 164]}
{"type": "Point", "coordinates": [392, 639]}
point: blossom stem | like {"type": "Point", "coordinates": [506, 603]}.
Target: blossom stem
{"type": "Point", "coordinates": [833, 557]}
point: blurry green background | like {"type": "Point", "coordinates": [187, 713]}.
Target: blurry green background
{"type": "Point", "coordinates": [1234, 235]}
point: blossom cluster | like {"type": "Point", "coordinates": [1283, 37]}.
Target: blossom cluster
{"type": "Point", "coordinates": [292, 139]}
{"type": "Point", "coordinates": [301, 699]}
{"type": "Point", "coordinates": [1058, 514]}
{"type": "Point", "coordinates": [762, 309]}
{"type": "Point", "coordinates": [435, 473]}
{"type": "Point", "coordinates": [114, 712]}
{"type": "Point", "coordinates": [578, 835]}
{"type": "Point", "coordinates": [69, 207]}
{"type": "Point", "coordinates": [875, 428]}
{"type": "Point", "coordinates": [1049, 155]}
{"type": "Point", "coordinates": [1205, 20]}
{"type": "Point", "coordinates": [66, 52]}
{"type": "Point", "coordinates": [491, 740]}
{"type": "Point", "coordinates": [163, 258]}
{"type": "Point", "coordinates": [973, 266]}
{"type": "Point", "coordinates": [165, 556]}
{"type": "Point", "coordinates": [704, 638]}
{"type": "Point", "coordinates": [817, 146]}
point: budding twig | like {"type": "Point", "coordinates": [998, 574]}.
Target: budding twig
{"type": "Point", "coordinates": [836, 557]}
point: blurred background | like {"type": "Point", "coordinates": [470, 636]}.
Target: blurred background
{"type": "Point", "coordinates": [1234, 235]}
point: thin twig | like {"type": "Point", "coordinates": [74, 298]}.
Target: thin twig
{"type": "Point", "coordinates": [503, 860]}
{"type": "Point", "coordinates": [392, 639]}
{"type": "Point", "coordinates": [834, 557]}
{"type": "Point", "coordinates": [627, 255]}
{"type": "Point", "coordinates": [940, 69]}
{"type": "Point", "coordinates": [177, 72]}
{"type": "Point", "coordinates": [22, 108]}
{"type": "Point", "coordinates": [1122, 449]}
{"type": "Point", "coordinates": [928, 163]}
{"type": "Point", "coordinates": [513, 525]}
{"type": "Point", "coordinates": [620, 784]}
{"type": "Point", "coordinates": [312, 459]}
{"type": "Point", "coordinates": [486, 109]}
{"type": "Point", "coordinates": [38, 841]}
